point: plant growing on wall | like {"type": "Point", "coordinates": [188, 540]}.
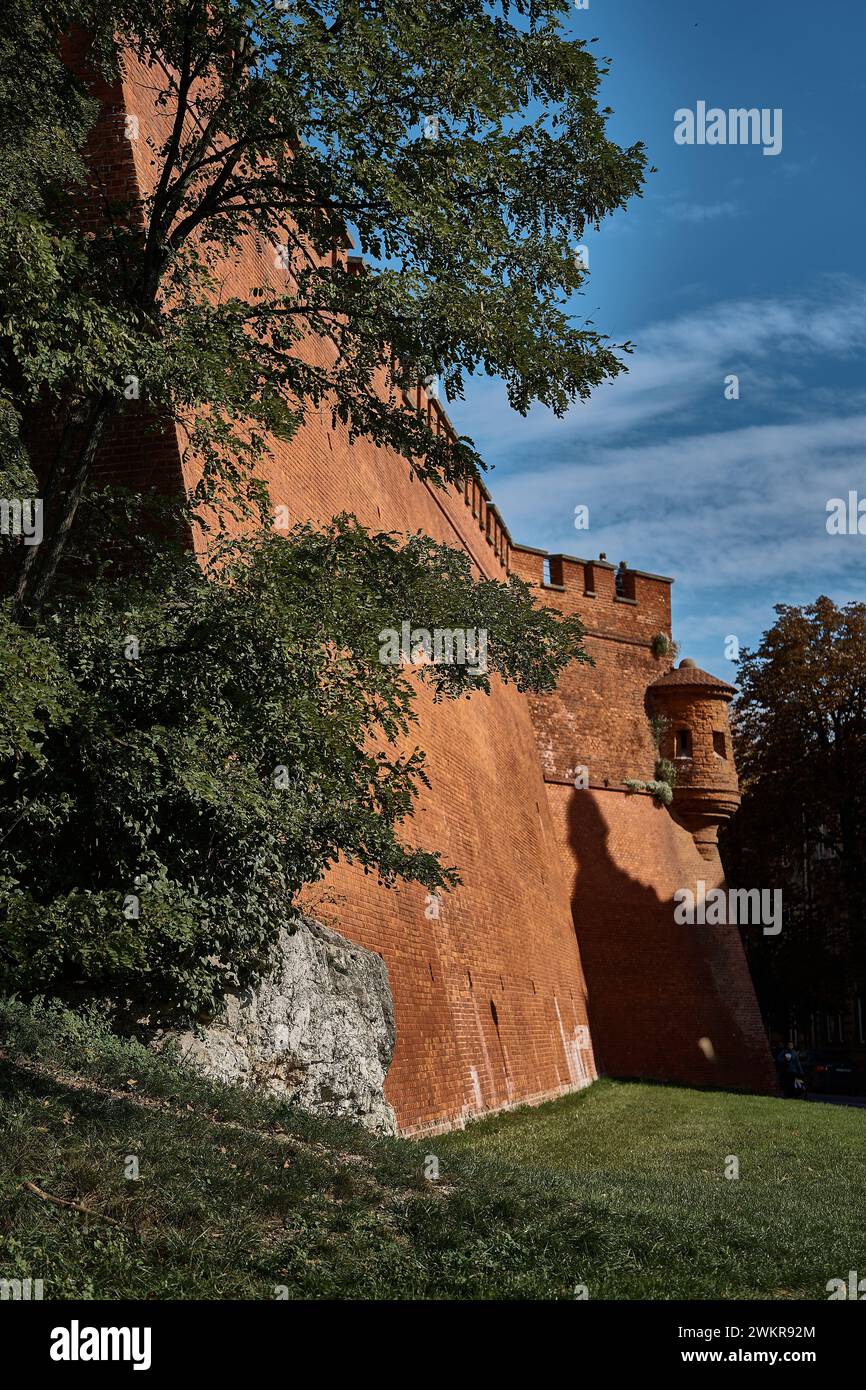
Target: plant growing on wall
{"type": "Point", "coordinates": [662, 786]}
{"type": "Point", "coordinates": [659, 726]}
{"type": "Point", "coordinates": [662, 791]}
{"type": "Point", "coordinates": [666, 771]}
{"type": "Point", "coordinates": [662, 645]}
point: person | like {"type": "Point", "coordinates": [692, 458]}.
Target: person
{"type": "Point", "coordinates": [790, 1070]}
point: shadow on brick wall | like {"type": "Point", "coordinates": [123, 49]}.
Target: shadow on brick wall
{"type": "Point", "coordinates": [667, 1002]}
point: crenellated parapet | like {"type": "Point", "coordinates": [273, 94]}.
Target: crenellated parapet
{"type": "Point", "coordinates": [611, 600]}
{"type": "Point", "coordinates": [594, 724]}
{"type": "Point", "coordinates": [481, 519]}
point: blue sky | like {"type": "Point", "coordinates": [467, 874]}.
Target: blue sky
{"type": "Point", "coordinates": [734, 262]}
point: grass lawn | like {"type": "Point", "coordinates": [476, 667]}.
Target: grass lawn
{"type": "Point", "coordinates": [646, 1165]}
{"type": "Point", "coordinates": [620, 1188]}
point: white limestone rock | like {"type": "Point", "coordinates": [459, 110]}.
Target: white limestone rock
{"type": "Point", "coordinates": [319, 1029]}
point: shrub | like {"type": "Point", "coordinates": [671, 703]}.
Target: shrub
{"type": "Point", "coordinates": [662, 645]}
{"type": "Point", "coordinates": [662, 791]}
{"type": "Point", "coordinates": [666, 771]}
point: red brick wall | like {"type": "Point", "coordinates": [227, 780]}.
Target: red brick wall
{"type": "Point", "coordinates": [668, 1002]}
{"type": "Point", "coordinates": [490, 996]}
{"type": "Point", "coordinates": [598, 719]}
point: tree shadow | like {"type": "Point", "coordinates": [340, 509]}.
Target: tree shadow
{"type": "Point", "coordinates": [667, 1001]}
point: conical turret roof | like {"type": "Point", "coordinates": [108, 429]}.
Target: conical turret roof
{"type": "Point", "coordinates": [688, 675]}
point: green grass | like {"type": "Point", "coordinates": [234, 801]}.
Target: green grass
{"type": "Point", "coordinates": [647, 1166]}
{"type": "Point", "coordinates": [620, 1188]}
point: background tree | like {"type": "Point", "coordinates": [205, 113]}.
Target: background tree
{"type": "Point", "coordinates": [800, 738]}
{"type": "Point", "coordinates": [295, 122]}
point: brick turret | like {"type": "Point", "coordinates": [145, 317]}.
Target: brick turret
{"type": "Point", "coordinates": [698, 742]}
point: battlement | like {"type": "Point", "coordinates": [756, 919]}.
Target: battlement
{"type": "Point", "coordinates": [552, 570]}
{"type": "Point", "coordinates": [484, 514]}
{"type": "Point", "coordinates": [612, 601]}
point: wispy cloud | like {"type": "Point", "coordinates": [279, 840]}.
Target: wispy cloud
{"type": "Point", "coordinates": [679, 364]}
{"type": "Point", "coordinates": [679, 210]}
{"type": "Point", "coordinates": [729, 497]}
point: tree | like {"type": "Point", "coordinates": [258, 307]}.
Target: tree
{"type": "Point", "coordinates": [58, 340]}
{"type": "Point", "coordinates": [183, 748]}
{"type": "Point", "coordinates": [296, 121]}
{"type": "Point", "coordinates": [800, 739]}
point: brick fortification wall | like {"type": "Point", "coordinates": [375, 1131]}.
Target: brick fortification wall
{"type": "Point", "coordinates": [490, 996]}
{"type": "Point", "coordinates": [667, 1001]}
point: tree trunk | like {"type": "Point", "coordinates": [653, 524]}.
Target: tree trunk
{"type": "Point", "coordinates": [64, 490]}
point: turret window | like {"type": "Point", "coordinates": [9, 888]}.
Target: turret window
{"type": "Point", "coordinates": [683, 743]}
{"type": "Point", "coordinates": [719, 747]}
